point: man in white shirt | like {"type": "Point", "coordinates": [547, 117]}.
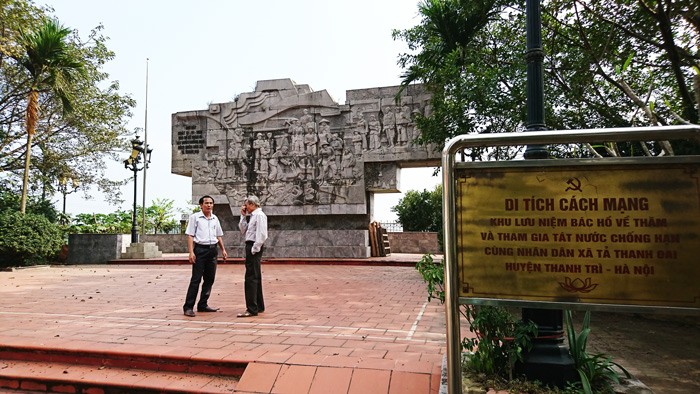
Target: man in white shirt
{"type": "Point", "coordinates": [203, 236]}
{"type": "Point", "coordinates": [253, 226]}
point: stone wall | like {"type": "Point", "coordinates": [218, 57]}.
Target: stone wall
{"type": "Point", "coordinates": [167, 243]}
{"type": "Point", "coordinates": [414, 242]}
{"type": "Point", "coordinates": [318, 243]}
{"type": "Point", "coordinates": [96, 248]}
{"type": "Point", "coordinates": [296, 243]}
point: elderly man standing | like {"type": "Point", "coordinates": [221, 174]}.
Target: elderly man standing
{"type": "Point", "coordinates": [203, 236]}
{"type": "Point", "coordinates": [253, 226]}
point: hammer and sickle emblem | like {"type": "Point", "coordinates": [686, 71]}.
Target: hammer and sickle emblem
{"type": "Point", "coordinates": [574, 184]}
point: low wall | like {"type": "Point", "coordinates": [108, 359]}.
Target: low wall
{"type": "Point", "coordinates": [414, 242]}
{"type": "Point", "coordinates": [100, 248]}
{"type": "Point", "coordinates": [283, 244]}
{"type": "Point", "coordinates": [168, 243]}
{"type": "Point", "coordinates": [96, 248]}
{"type": "Point", "coordinates": [300, 244]}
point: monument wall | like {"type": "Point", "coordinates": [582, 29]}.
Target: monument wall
{"type": "Point", "coordinates": [315, 164]}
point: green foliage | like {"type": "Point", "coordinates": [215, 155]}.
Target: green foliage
{"type": "Point", "coordinates": [78, 143]}
{"type": "Point", "coordinates": [457, 54]}
{"type": "Point", "coordinates": [118, 222]}
{"type": "Point", "coordinates": [420, 211]}
{"type": "Point", "coordinates": [596, 371]}
{"type": "Point", "coordinates": [159, 219]}
{"type": "Point", "coordinates": [159, 216]}
{"type": "Point", "coordinates": [433, 274]}
{"type": "Point", "coordinates": [28, 239]}
{"type": "Point", "coordinates": [52, 68]}
{"type": "Point", "coordinates": [607, 64]}
{"type": "Point", "coordinates": [501, 340]}
{"type": "Point", "coordinates": [9, 200]}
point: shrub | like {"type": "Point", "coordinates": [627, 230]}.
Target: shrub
{"type": "Point", "coordinates": [597, 371]}
{"type": "Point", "coordinates": [28, 239]}
{"type": "Point", "coordinates": [501, 340]}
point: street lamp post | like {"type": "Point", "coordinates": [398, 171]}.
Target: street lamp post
{"type": "Point", "coordinates": [548, 361]}
{"type": "Point", "coordinates": [139, 155]}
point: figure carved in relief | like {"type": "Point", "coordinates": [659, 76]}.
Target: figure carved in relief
{"type": "Point", "coordinates": [326, 161]}
{"type": "Point", "coordinates": [236, 153]}
{"type": "Point", "coordinates": [219, 164]}
{"type": "Point", "coordinates": [307, 121]}
{"type": "Point", "coordinates": [324, 131]}
{"type": "Point", "coordinates": [273, 164]}
{"type": "Point", "coordinates": [337, 145]}
{"type": "Point", "coordinates": [348, 164]}
{"type": "Point", "coordinates": [401, 125]}
{"type": "Point", "coordinates": [265, 153]}
{"type": "Point", "coordinates": [389, 125]}
{"type": "Point", "coordinates": [412, 124]}
{"type": "Point", "coordinates": [258, 144]}
{"type": "Point", "coordinates": [357, 142]}
{"type": "Point", "coordinates": [202, 174]}
{"type": "Point", "coordinates": [374, 129]}
{"type": "Point", "coordinates": [361, 130]}
{"type": "Point", "coordinates": [287, 166]}
{"type": "Point", "coordinates": [310, 140]}
{"type": "Point", "coordinates": [297, 132]}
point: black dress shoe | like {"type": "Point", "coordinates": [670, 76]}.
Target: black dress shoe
{"type": "Point", "coordinates": [207, 309]}
{"type": "Point", "coordinates": [189, 313]}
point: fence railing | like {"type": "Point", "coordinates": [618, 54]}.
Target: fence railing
{"type": "Point", "coordinates": [392, 227]}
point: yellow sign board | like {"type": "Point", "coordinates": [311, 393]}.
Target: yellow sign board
{"type": "Point", "coordinates": [602, 234]}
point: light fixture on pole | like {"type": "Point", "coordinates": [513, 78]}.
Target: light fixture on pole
{"type": "Point", "coordinates": [67, 184]}
{"type": "Point", "coordinates": [140, 155]}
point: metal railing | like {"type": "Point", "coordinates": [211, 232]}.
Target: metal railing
{"type": "Point", "coordinates": [392, 227]}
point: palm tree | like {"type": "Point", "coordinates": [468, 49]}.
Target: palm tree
{"type": "Point", "coordinates": [53, 68]}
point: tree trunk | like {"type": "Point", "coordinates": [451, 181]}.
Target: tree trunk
{"type": "Point", "coordinates": [25, 181]}
{"type": "Point", "coordinates": [32, 118]}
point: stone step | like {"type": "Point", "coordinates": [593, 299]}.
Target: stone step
{"type": "Point", "coordinates": [52, 377]}
{"type": "Point", "coordinates": [80, 371]}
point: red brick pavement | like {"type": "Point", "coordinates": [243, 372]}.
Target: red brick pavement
{"type": "Point", "coordinates": [347, 327]}
{"type": "Point", "coordinates": [353, 328]}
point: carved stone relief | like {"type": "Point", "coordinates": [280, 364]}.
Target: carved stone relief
{"type": "Point", "coordinates": [299, 151]}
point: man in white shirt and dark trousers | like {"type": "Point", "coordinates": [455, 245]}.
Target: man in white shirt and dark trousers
{"type": "Point", "coordinates": [203, 236]}
{"type": "Point", "coordinates": [253, 226]}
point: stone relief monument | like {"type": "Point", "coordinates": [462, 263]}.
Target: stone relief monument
{"type": "Point", "coordinates": [315, 164]}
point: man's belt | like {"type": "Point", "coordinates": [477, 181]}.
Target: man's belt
{"type": "Point", "coordinates": [212, 246]}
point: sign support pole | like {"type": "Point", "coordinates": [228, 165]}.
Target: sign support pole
{"type": "Point", "coordinates": [454, 348]}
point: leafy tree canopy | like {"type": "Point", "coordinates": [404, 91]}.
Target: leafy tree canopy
{"type": "Point", "coordinates": [75, 145]}
{"type": "Point", "coordinates": [617, 63]}
{"type": "Point", "coordinates": [160, 218]}
{"type": "Point", "coordinates": [420, 211]}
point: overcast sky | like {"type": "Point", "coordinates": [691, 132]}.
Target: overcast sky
{"type": "Point", "coordinates": [209, 51]}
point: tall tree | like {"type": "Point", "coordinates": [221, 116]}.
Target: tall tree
{"type": "Point", "coordinates": [52, 67]}
{"type": "Point", "coordinates": [420, 211]}
{"type": "Point", "coordinates": [617, 63]}
{"type": "Point", "coordinates": [76, 146]}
